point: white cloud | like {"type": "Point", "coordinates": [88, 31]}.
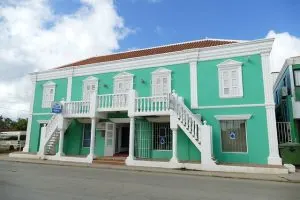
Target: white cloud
{"type": "Point", "coordinates": [33, 38]}
{"type": "Point", "coordinates": [158, 30]}
{"type": "Point", "coordinates": [285, 46]}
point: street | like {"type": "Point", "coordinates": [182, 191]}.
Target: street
{"type": "Point", "coordinates": [46, 182]}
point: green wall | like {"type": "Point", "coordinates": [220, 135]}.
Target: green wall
{"type": "Point", "coordinates": [73, 141]}
{"type": "Point", "coordinates": [256, 130]}
{"type": "Point", "coordinates": [60, 93]}
{"type": "Point", "coordinates": [208, 84]}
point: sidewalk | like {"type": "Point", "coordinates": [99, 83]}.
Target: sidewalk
{"type": "Point", "coordinates": [292, 178]}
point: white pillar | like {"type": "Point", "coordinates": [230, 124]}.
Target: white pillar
{"type": "Point", "coordinates": [131, 139]}
{"type": "Point", "coordinates": [273, 158]}
{"type": "Point", "coordinates": [28, 131]}
{"type": "Point", "coordinates": [92, 144]}
{"type": "Point", "coordinates": [194, 84]}
{"type": "Point", "coordinates": [61, 142]}
{"type": "Point", "coordinates": [207, 146]}
{"type": "Point", "coordinates": [174, 158]}
{"type": "Point", "coordinates": [42, 141]}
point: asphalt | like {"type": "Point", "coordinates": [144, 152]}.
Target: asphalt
{"type": "Point", "coordinates": [291, 178]}
{"type": "Point", "coordinates": [29, 181]}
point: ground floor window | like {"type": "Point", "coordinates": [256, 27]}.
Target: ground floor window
{"type": "Point", "coordinates": [233, 135]}
{"type": "Point", "coordinates": [86, 135]}
{"type": "Point", "coordinates": [162, 136]}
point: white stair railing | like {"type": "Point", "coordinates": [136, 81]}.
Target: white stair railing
{"type": "Point", "coordinates": [191, 123]}
{"type": "Point", "coordinates": [51, 128]}
{"type": "Point", "coordinates": [199, 133]}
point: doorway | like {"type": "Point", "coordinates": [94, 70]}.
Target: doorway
{"type": "Point", "coordinates": [122, 139]}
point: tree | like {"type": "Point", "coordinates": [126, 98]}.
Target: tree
{"type": "Point", "coordinates": [7, 124]}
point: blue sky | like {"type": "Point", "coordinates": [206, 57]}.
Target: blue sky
{"type": "Point", "coordinates": [170, 21]}
{"type": "Point", "coordinates": [43, 34]}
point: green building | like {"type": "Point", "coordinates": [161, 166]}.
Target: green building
{"type": "Point", "coordinates": [198, 105]}
{"type": "Point", "coordinates": [287, 100]}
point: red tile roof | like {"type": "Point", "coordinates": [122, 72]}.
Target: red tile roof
{"type": "Point", "coordinates": [151, 51]}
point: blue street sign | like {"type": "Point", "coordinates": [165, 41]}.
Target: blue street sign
{"type": "Point", "coordinates": [56, 108]}
{"type": "Point", "coordinates": [162, 139]}
{"type": "Point", "coordinates": [232, 135]}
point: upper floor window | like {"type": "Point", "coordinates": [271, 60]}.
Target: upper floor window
{"type": "Point", "coordinates": [161, 82]}
{"type": "Point", "coordinates": [90, 86]}
{"type": "Point", "coordinates": [297, 77]}
{"type": "Point", "coordinates": [230, 79]}
{"type": "Point", "coordinates": [48, 94]}
{"type": "Point", "coordinates": [123, 82]}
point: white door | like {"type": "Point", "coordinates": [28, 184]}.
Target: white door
{"type": "Point", "coordinates": [110, 136]}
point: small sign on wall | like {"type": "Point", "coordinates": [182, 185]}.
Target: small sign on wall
{"type": "Point", "coordinates": [56, 107]}
{"type": "Point", "coordinates": [232, 135]}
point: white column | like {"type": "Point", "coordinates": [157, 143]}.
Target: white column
{"type": "Point", "coordinates": [174, 145]}
{"type": "Point", "coordinates": [69, 88]}
{"type": "Point", "coordinates": [273, 158]}
{"type": "Point", "coordinates": [28, 131]}
{"type": "Point", "coordinates": [42, 140]}
{"type": "Point", "coordinates": [207, 146]}
{"type": "Point", "coordinates": [131, 139]}
{"type": "Point", "coordinates": [61, 143]}
{"type": "Point", "coordinates": [194, 84]}
{"type": "Point", "coordinates": [92, 144]}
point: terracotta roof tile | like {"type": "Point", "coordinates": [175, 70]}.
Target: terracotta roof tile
{"type": "Point", "coordinates": [151, 51]}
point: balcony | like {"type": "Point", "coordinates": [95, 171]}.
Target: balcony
{"type": "Point", "coordinates": [112, 102]}
{"type": "Point", "coordinates": [127, 102]}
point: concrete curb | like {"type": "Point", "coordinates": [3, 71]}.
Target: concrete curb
{"type": "Point", "coordinates": [260, 177]}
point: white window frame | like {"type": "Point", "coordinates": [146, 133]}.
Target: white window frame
{"type": "Point", "coordinates": [244, 117]}
{"type": "Point", "coordinates": [297, 77]}
{"type": "Point", "coordinates": [161, 73]}
{"type": "Point", "coordinates": [47, 97]}
{"type": "Point", "coordinates": [123, 78]}
{"type": "Point", "coordinates": [89, 82]}
{"type": "Point", "coordinates": [228, 67]}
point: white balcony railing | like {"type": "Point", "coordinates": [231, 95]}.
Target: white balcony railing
{"type": "Point", "coordinates": [158, 104]}
{"type": "Point", "coordinates": [112, 102]}
{"type": "Point", "coordinates": [77, 108]}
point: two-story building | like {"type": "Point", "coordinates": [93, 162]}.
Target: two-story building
{"type": "Point", "coordinates": [287, 99]}
{"type": "Point", "coordinates": [197, 105]}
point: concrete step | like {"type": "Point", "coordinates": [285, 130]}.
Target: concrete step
{"type": "Point", "coordinates": [113, 158]}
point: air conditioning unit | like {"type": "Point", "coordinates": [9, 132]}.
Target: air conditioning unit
{"type": "Point", "coordinates": [284, 91]}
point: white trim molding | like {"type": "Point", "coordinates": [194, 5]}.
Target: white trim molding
{"type": "Point", "coordinates": [48, 94]}
{"type": "Point", "coordinates": [185, 56]}
{"type": "Point", "coordinates": [232, 106]}
{"type": "Point", "coordinates": [87, 87]}
{"type": "Point", "coordinates": [43, 121]}
{"type": "Point", "coordinates": [158, 77]}
{"type": "Point", "coordinates": [233, 117]}
{"type": "Point", "coordinates": [273, 158]}
{"type": "Point", "coordinates": [194, 84]}
{"type": "Point", "coordinates": [234, 84]}
{"type": "Point", "coordinates": [125, 80]}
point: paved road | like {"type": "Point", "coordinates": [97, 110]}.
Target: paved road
{"type": "Point", "coordinates": [46, 182]}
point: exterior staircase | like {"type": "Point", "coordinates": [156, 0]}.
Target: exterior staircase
{"type": "Point", "coordinates": [50, 148]}
{"type": "Point", "coordinates": [51, 134]}
{"type": "Point", "coordinates": [198, 132]}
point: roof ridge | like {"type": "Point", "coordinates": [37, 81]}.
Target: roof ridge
{"type": "Point", "coordinates": [173, 44]}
